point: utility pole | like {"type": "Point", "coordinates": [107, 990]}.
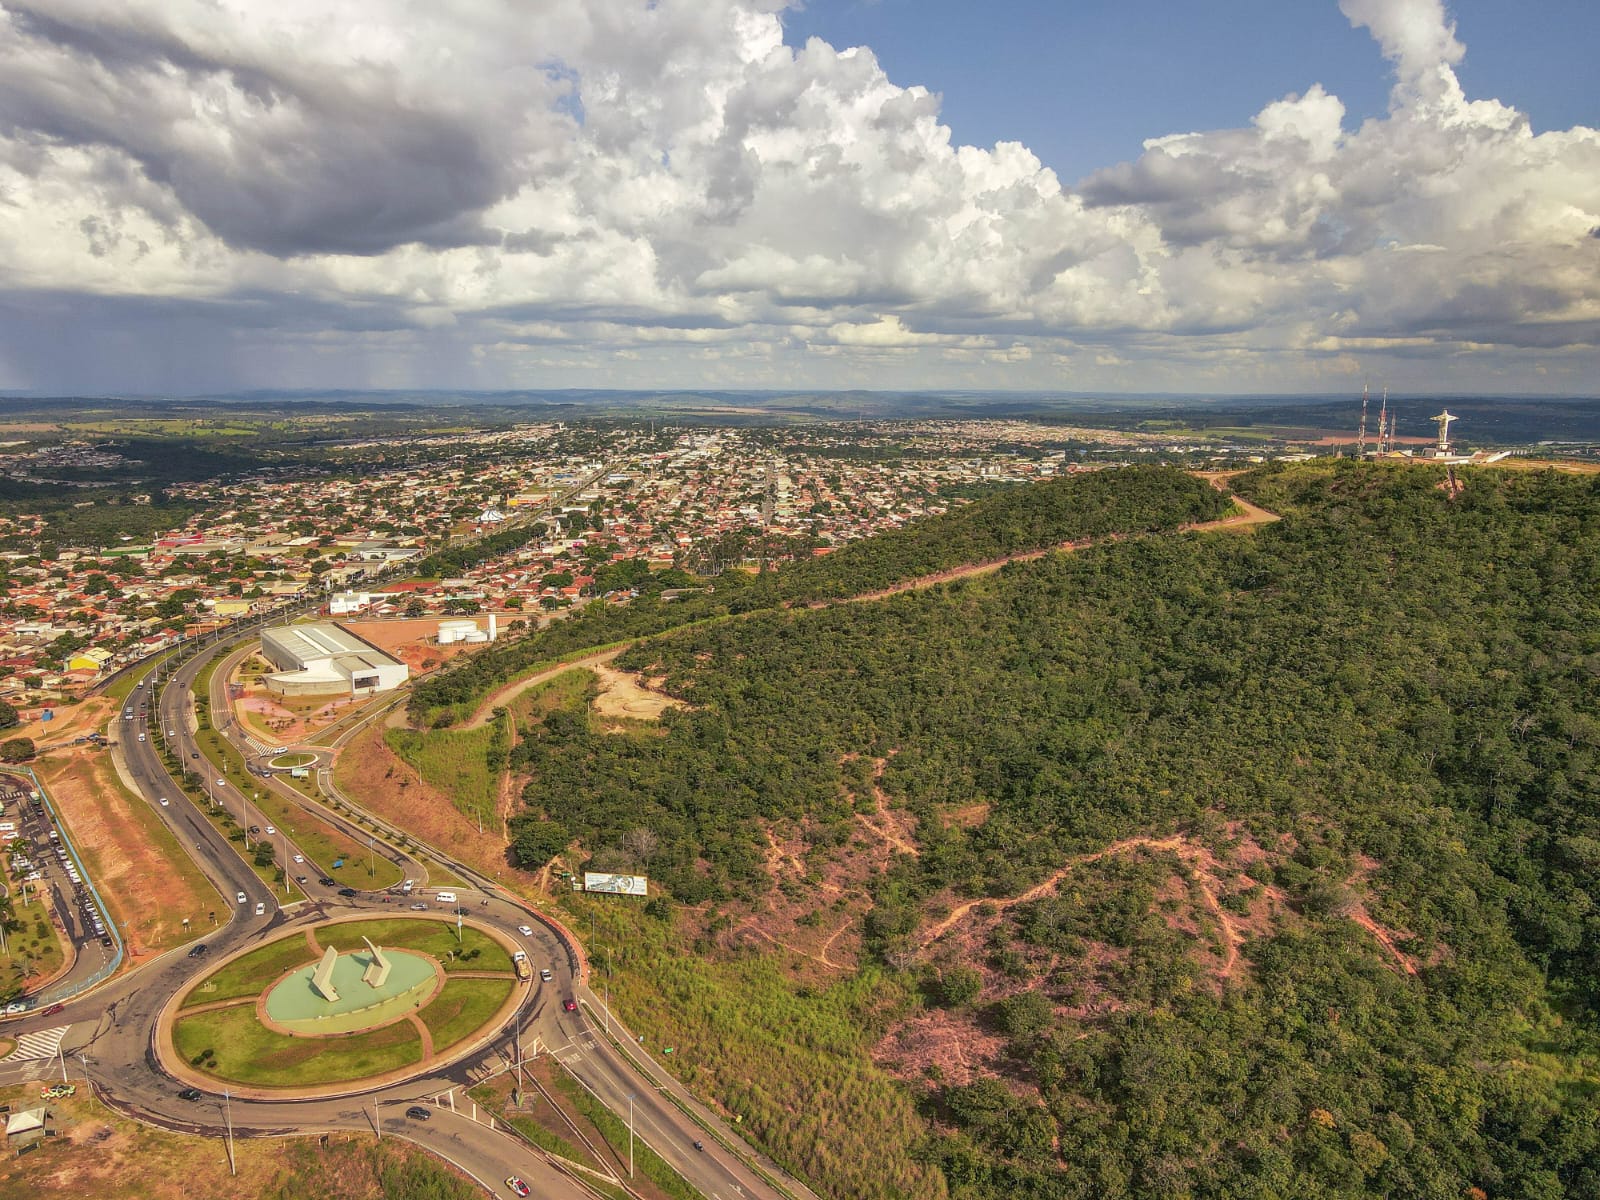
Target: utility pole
{"type": "Point", "coordinates": [630, 1135]}
{"type": "Point", "coordinates": [227, 1109]}
{"type": "Point", "coordinates": [377, 1121]}
{"type": "Point", "coordinates": [62, 1056]}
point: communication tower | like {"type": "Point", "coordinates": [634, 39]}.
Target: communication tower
{"type": "Point", "coordinates": [1361, 432]}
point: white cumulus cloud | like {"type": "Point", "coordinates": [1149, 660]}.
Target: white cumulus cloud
{"type": "Point", "coordinates": [668, 186]}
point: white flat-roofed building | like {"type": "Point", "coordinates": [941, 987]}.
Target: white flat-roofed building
{"type": "Point", "coordinates": [323, 658]}
{"type": "Point", "coordinates": [343, 603]}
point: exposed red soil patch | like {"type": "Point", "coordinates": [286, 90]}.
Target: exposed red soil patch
{"type": "Point", "coordinates": [968, 816]}
{"type": "Point", "coordinates": [894, 828]}
{"type": "Point", "coordinates": [1387, 938]}
{"type": "Point", "coordinates": [415, 642]}
{"type": "Point", "coordinates": [942, 1045]}
{"type": "Point", "coordinates": [390, 788]}
{"type": "Point", "coordinates": [149, 896]}
{"type": "Point", "coordinates": [624, 696]}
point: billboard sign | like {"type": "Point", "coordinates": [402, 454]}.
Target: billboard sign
{"type": "Point", "coordinates": [617, 885]}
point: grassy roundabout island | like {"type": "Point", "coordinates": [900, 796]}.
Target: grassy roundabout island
{"type": "Point", "coordinates": [257, 1019]}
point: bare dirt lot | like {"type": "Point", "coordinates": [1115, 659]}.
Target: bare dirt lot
{"type": "Point", "coordinates": [136, 864]}
{"type": "Point", "coordinates": [416, 643]}
{"type": "Point", "coordinates": [625, 696]}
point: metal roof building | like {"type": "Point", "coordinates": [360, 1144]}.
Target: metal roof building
{"type": "Point", "coordinates": [324, 657]}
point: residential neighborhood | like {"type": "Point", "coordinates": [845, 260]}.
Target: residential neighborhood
{"type": "Point", "coordinates": [568, 501]}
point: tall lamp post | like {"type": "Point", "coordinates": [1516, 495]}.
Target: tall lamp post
{"type": "Point", "coordinates": [227, 1108]}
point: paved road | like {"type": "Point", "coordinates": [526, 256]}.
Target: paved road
{"type": "Point", "coordinates": [113, 1029]}
{"type": "Point", "coordinates": [231, 791]}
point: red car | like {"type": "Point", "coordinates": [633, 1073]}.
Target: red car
{"type": "Point", "coordinates": [570, 1004]}
{"type": "Point", "coordinates": [52, 1010]}
{"type": "Point", "coordinates": [516, 1185]}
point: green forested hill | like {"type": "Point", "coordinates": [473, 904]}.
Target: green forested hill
{"type": "Point", "coordinates": [1391, 699]}
{"type": "Point", "coordinates": [1074, 507]}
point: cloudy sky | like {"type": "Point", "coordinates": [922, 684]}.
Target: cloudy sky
{"type": "Point", "coordinates": [1239, 196]}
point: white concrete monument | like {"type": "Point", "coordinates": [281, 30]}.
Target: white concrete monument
{"type": "Point", "coordinates": [377, 972]}
{"type": "Point", "coordinates": [322, 977]}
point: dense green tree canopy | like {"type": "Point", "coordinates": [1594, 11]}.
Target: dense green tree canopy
{"type": "Point", "coordinates": [1396, 685]}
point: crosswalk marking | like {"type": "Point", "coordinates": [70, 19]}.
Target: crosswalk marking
{"type": "Point", "coordinates": [41, 1044]}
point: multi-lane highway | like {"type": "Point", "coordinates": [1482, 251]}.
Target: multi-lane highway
{"type": "Point", "coordinates": [113, 1028]}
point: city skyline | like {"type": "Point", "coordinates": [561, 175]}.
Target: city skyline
{"type": "Point", "coordinates": [731, 195]}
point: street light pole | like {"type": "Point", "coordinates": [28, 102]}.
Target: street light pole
{"type": "Point", "coordinates": [519, 1059]}
{"type": "Point", "coordinates": [227, 1108]}
{"type": "Point", "coordinates": [630, 1135]}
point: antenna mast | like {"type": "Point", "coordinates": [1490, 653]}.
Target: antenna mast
{"type": "Point", "coordinates": [1383, 419]}
{"type": "Point", "coordinates": [1361, 432]}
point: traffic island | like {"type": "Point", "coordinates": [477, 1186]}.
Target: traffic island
{"type": "Point", "coordinates": [358, 1001]}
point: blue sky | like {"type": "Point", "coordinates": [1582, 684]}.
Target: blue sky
{"type": "Point", "coordinates": [1082, 83]}
{"type": "Point", "coordinates": [1234, 196]}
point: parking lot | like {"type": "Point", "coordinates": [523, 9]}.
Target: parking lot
{"type": "Point", "coordinates": [40, 861]}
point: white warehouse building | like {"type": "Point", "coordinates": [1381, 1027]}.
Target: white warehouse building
{"type": "Point", "coordinates": [326, 658]}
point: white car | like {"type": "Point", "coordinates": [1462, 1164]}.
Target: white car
{"type": "Point", "coordinates": [141, 737]}
{"type": "Point", "coordinates": [163, 802]}
{"type": "Point", "coordinates": [271, 831]}
{"type": "Point", "coordinates": [544, 974]}
{"type": "Point", "coordinates": [243, 899]}
{"type": "Point", "coordinates": [525, 930]}
{"type": "Point", "coordinates": [299, 858]}
{"type": "Point", "coordinates": [222, 783]}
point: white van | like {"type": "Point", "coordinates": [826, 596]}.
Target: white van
{"type": "Point", "coordinates": [445, 897]}
{"type": "Point", "coordinates": [8, 826]}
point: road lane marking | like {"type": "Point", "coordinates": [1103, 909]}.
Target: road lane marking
{"type": "Point", "coordinates": [42, 1043]}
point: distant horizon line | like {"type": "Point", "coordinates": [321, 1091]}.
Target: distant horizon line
{"type": "Point", "coordinates": [998, 393]}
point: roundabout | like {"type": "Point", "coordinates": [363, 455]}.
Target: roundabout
{"type": "Point", "coordinates": [293, 760]}
{"type": "Point", "coordinates": [339, 1003]}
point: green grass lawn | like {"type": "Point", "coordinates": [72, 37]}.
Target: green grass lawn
{"type": "Point", "coordinates": [245, 1051]}
{"type": "Point", "coordinates": [427, 936]}
{"type": "Point", "coordinates": [33, 952]}
{"type": "Point", "coordinates": [251, 973]}
{"type": "Point", "coordinates": [324, 845]}
{"type": "Point", "coordinates": [463, 1007]}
